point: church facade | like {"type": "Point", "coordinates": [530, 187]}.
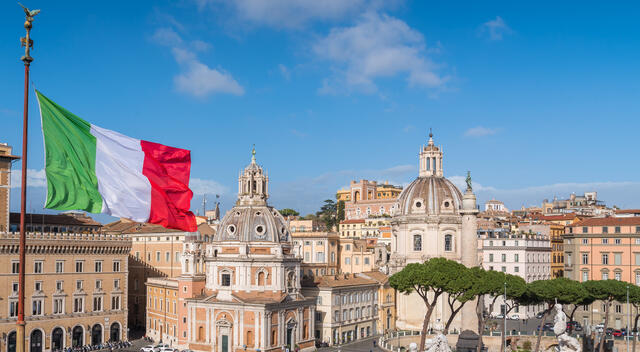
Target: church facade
{"type": "Point", "coordinates": [242, 288]}
{"type": "Point", "coordinates": [433, 219]}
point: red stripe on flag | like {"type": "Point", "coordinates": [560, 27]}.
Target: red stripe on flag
{"type": "Point", "coordinates": [168, 170]}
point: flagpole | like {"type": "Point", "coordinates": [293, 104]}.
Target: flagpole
{"type": "Point", "coordinates": [27, 59]}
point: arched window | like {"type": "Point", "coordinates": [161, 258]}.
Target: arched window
{"type": "Point", "coordinates": [250, 338]}
{"type": "Point", "coordinates": [417, 242]}
{"type": "Point", "coordinates": [261, 278]}
{"type": "Point", "coordinates": [200, 333]}
{"type": "Point", "coordinates": [448, 243]}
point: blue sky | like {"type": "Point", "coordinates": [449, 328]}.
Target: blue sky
{"type": "Point", "coordinates": [536, 99]}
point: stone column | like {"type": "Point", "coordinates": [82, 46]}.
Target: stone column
{"type": "Point", "coordinates": [469, 247]}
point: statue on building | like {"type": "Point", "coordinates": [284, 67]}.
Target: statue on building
{"type": "Point", "coordinates": [468, 180]}
{"type": "Point", "coordinates": [439, 343]}
{"type": "Point", "coordinates": [566, 343]}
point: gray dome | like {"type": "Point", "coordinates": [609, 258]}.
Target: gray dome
{"type": "Point", "coordinates": [253, 224]}
{"type": "Point", "coordinates": [431, 195]}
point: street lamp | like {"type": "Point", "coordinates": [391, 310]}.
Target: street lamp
{"type": "Point", "coordinates": [504, 313]}
{"type": "Point", "coordinates": [628, 319]}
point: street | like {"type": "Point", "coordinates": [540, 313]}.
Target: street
{"type": "Point", "coordinates": [356, 346]}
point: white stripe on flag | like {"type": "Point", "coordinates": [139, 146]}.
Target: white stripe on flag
{"type": "Point", "coordinates": [125, 191]}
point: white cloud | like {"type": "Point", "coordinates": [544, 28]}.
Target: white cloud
{"type": "Point", "coordinates": [289, 13]}
{"type": "Point", "coordinates": [196, 78]}
{"type": "Point", "coordinates": [284, 71]}
{"type": "Point", "coordinates": [377, 46]}
{"type": "Point", "coordinates": [461, 183]}
{"type": "Point", "coordinates": [480, 131]}
{"type": "Point", "coordinates": [202, 186]}
{"type": "Point", "coordinates": [35, 178]}
{"type": "Point", "coordinates": [495, 29]}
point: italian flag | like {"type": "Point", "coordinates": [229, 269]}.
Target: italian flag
{"type": "Point", "coordinates": [101, 171]}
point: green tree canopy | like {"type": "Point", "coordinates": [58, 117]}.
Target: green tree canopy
{"type": "Point", "coordinates": [437, 275]}
{"type": "Point", "coordinates": [288, 212]}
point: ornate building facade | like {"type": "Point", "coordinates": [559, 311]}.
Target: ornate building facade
{"type": "Point", "coordinates": [433, 219]}
{"type": "Point", "coordinates": [242, 289]}
{"type": "Point", "coordinates": [75, 290]}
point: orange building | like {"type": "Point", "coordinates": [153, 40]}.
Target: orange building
{"type": "Point", "coordinates": [365, 198]}
{"type": "Point", "coordinates": [602, 249]}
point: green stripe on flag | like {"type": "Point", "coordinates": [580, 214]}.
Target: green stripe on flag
{"type": "Point", "coordinates": [70, 159]}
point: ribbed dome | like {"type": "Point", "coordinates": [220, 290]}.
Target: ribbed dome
{"type": "Point", "coordinates": [431, 195]}
{"type": "Point", "coordinates": [253, 224]}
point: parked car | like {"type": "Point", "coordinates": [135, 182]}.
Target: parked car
{"type": "Point", "coordinates": [515, 316]}
{"type": "Point", "coordinates": [574, 325]}
{"type": "Point", "coordinates": [159, 347]}
{"type": "Point", "coordinates": [540, 315]}
{"type": "Point", "coordinates": [599, 327]}
{"type": "Point", "coordinates": [321, 344]}
{"type": "Point", "coordinates": [618, 333]}
{"type": "Point", "coordinates": [546, 327]}
{"type": "Point", "coordinates": [147, 348]}
{"type": "Point", "coordinates": [187, 351]}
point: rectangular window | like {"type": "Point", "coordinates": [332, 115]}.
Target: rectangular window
{"type": "Point", "coordinates": [177, 256]}
{"type": "Point", "coordinates": [605, 229]}
{"type": "Point", "coordinates": [366, 261]}
{"type": "Point", "coordinates": [79, 267]}
{"type": "Point", "coordinates": [157, 256]}
{"type": "Point", "coordinates": [618, 308]}
{"type": "Point", "coordinates": [36, 307]}
{"type": "Point", "coordinates": [585, 229]}
{"type": "Point", "coordinates": [585, 241]}
{"type": "Point", "coordinates": [167, 257]}
{"type": "Point", "coordinates": [59, 266]}
{"type": "Point", "coordinates": [605, 258]}
{"type": "Point", "coordinates": [637, 229]}
{"type": "Point", "coordinates": [585, 258]}
{"type": "Point", "coordinates": [116, 266]}
{"type": "Point", "coordinates": [605, 276]}
{"type": "Point", "coordinates": [605, 241]}
{"type": "Point", "coordinates": [116, 284]}
{"type": "Point", "coordinates": [78, 285]}
{"type": "Point", "coordinates": [306, 256]}
{"type": "Point", "coordinates": [97, 304]}
{"type": "Point", "coordinates": [14, 288]}
{"type": "Point", "coordinates": [98, 266]}
{"type": "Point", "coordinates": [617, 258]}
{"type": "Point", "coordinates": [637, 258]}
{"type": "Point", "coordinates": [59, 286]}
{"type": "Point", "coordinates": [13, 309]}
{"type": "Point", "coordinates": [320, 257]}
{"type": "Point", "coordinates": [115, 303]}
{"type": "Point", "coordinates": [504, 269]}
{"type": "Point", "coordinates": [78, 305]}
{"type": "Point", "coordinates": [504, 258]}
{"type": "Point", "coordinates": [138, 255]}
{"type": "Point", "coordinates": [516, 257]}
{"type": "Point", "coordinates": [516, 269]}
{"type": "Point", "coordinates": [617, 276]}
{"type": "Point", "coordinates": [347, 260]}
{"type": "Point", "coordinates": [357, 260]}
{"type": "Point", "coordinates": [617, 229]}
{"type": "Point", "coordinates": [37, 267]}
{"type": "Point", "coordinates": [491, 257]}
{"type": "Point", "coordinates": [98, 284]}
{"type": "Point", "coordinates": [58, 306]}
{"type": "Point", "coordinates": [617, 241]}
{"type": "Point", "coordinates": [38, 286]}
{"type": "Point", "coordinates": [15, 267]}
{"type": "Point", "coordinates": [226, 280]}
{"type": "Point", "coordinates": [637, 278]}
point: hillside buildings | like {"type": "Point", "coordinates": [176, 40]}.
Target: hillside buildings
{"type": "Point", "coordinates": [75, 289]}
{"type": "Point", "coordinates": [365, 198]}
{"type": "Point", "coordinates": [433, 219]}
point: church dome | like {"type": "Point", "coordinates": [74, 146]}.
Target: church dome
{"type": "Point", "coordinates": [432, 195]}
{"type": "Point", "coordinates": [253, 224]}
{"type": "Point", "coordinates": [252, 219]}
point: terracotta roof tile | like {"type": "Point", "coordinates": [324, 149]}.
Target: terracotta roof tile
{"type": "Point", "coordinates": [352, 221]}
{"type": "Point", "coordinates": [609, 221]}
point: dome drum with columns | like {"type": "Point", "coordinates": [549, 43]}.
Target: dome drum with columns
{"type": "Point", "coordinates": [433, 219]}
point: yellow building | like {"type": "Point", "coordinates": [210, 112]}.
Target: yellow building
{"type": "Point", "coordinates": [75, 290]}
{"type": "Point", "coordinates": [351, 228]}
{"type": "Point", "coordinates": [386, 301]}
{"type": "Point", "coordinates": [557, 250]}
{"type": "Point", "coordinates": [387, 191]}
{"type": "Point", "coordinates": [162, 310]}
{"type": "Point", "coordinates": [355, 256]}
{"type": "Point", "coordinates": [319, 252]}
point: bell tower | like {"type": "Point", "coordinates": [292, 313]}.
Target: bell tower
{"type": "Point", "coordinates": [430, 159]}
{"type": "Point", "coordinates": [253, 184]}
